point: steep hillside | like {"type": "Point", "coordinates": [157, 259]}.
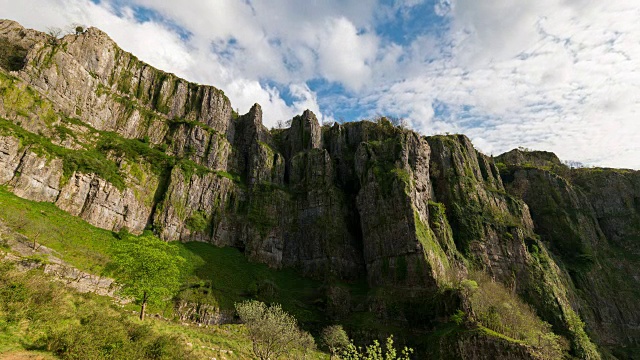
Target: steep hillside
{"type": "Point", "coordinates": [464, 256]}
{"type": "Point", "coordinates": [589, 219]}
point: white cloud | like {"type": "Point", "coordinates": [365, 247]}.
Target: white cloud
{"type": "Point", "coordinates": [157, 44]}
{"type": "Point", "coordinates": [344, 55]}
{"type": "Point", "coordinates": [550, 75]}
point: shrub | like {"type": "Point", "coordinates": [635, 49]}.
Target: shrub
{"type": "Point", "coordinates": [272, 331]}
{"type": "Point", "coordinates": [335, 339]}
{"type": "Point", "coordinates": [500, 310]}
{"type": "Point", "coordinates": [197, 222]}
{"type": "Point", "coordinates": [376, 352]}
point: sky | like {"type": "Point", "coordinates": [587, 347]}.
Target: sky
{"type": "Point", "coordinates": [555, 75]}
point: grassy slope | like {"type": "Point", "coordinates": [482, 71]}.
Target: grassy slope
{"type": "Point", "coordinates": [52, 317]}
{"type": "Point", "coordinates": [225, 269]}
{"type": "Point", "coordinates": [88, 248]}
{"type": "Point", "coordinates": [77, 242]}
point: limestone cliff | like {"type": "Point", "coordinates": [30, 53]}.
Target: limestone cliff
{"type": "Point", "coordinates": [588, 219]}
{"type": "Point", "coordinates": [106, 137]}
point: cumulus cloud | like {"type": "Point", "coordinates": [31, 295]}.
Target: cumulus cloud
{"type": "Point", "coordinates": [552, 75]}
{"type": "Point", "coordinates": [344, 55]}
{"type": "Point", "coordinates": [157, 43]}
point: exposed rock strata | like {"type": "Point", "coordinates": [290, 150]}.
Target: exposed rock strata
{"type": "Point", "coordinates": [579, 216]}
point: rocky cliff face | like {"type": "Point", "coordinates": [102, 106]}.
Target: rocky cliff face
{"type": "Point", "coordinates": [578, 214]}
{"type": "Point", "coordinates": [110, 139]}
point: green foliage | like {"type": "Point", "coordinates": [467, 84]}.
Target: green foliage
{"type": "Point", "coordinates": [64, 132]}
{"type": "Point", "coordinates": [382, 162]}
{"type": "Point", "coordinates": [426, 237]}
{"type": "Point", "coordinates": [135, 150]}
{"type": "Point", "coordinates": [586, 349]}
{"type": "Point", "coordinates": [104, 336]}
{"type": "Point", "coordinates": [148, 269]}
{"type": "Point", "coordinates": [176, 122]}
{"type": "Point", "coordinates": [25, 102]}
{"type": "Point", "coordinates": [502, 167]}
{"type": "Point", "coordinates": [85, 161]}
{"type": "Point", "coordinates": [502, 312]}
{"type": "Point", "coordinates": [233, 279]}
{"type": "Point", "coordinates": [376, 352]}
{"type": "Point", "coordinates": [458, 317]}
{"type": "Point", "coordinates": [437, 211]}
{"type": "Point", "coordinates": [81, 244]}
{"type": "Point", "coordinates": [190, 168]}
{"type": "Point", "coordinates": [273, 332]}
{"type": "Point", "coordinates": [38, 313]}
{"type": "Point", "coordinates": [267, 290]}
{"type": "Point", "coordinates": [468, 287]}
{"type": "Point", "coordinates": [226, 269]}
{"type": "Point", "coordinates": [197, 221]}
{"type": "Point", "coordinates": [90, 162]}
{"type": "Point", "coordinates": [335, 339]}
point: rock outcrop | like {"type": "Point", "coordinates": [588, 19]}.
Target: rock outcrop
{"type": "Point", "coordinates": [578, 214]}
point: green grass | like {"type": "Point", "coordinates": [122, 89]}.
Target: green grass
{"type": "Point", "coordinates": [230, 276]}
{"type": "Point", "coordinates": [227, 337]}
{"type": "Point", "coordinates": [37, 313]}
{"type": "Point", "coordinates": [78, 242]}
{"type": "Point", "coordinates": [227, 270]}
{"type": "Point", "coordinates": [40, 316]}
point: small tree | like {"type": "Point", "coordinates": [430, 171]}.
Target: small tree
{"type": "Point", "coordinates": [306, 343]}
{"type": "Point", "coordinates": [272, 331]}
{"type": "Point", "coordinates": [335, 339]}
{"type": "Point", "coordinates": [147, 268]}
{"type": "Point", "coordinates": [54, 32]}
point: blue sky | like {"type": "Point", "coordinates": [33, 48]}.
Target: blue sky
{"type": "Point", "coordinates": [557, 75]}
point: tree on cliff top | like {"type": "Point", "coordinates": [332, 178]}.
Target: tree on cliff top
{"type": "Point", "coordinates": [147, 268]}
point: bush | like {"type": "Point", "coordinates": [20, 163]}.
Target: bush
{"type": "Point", "coordinates": [99, 335]}
{"type": "Point", "coordinates": [272, 331]}
{"type": "Point", "coordinates": [500, 310]}
{"type": "Point", "coordinates": [335, 339]}
{"type": "Point", "coordinates": [197, 222]}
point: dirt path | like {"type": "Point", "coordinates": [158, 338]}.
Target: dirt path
{"type": "Point", "coordinates": [26, 355]}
